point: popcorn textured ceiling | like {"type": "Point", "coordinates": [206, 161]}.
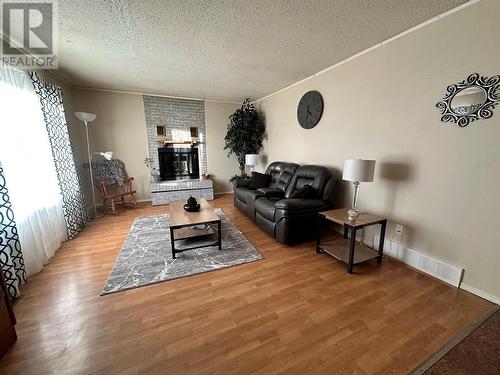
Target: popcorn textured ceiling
{"type": "Point", "coordinates": [221, 49]}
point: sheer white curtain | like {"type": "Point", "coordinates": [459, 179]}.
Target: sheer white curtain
{"type": "Point", "coordinates": [29, 170]}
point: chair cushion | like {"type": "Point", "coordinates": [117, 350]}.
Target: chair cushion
{"type": "Point", "coordinates": [259, 180]}
{"type": "Point", "coordinates": [265, 207]}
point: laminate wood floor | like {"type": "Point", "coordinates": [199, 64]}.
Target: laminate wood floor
{"type": "Point", "coordinates": [294, 312]}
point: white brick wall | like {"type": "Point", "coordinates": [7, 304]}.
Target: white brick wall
{"type": "Point", "coordinates": [180, 114]}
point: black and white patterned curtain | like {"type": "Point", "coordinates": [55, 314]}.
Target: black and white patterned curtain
{"type": "Point", "coordinates": [11, 257]}
{"type": "Point", "coordinates": [75, 211]}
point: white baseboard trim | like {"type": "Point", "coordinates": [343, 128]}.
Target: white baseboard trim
{"type": "Point", "coordinates": [481, 293]}
{"type": "Point", "coordinates": [449, 273]}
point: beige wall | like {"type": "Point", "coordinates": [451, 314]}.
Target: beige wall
{"type": "Point", "coordinates": [220, 167]}
{"type": "Point", "coordinates": [119, 127]}
{"type": "Point", "coordinates": [439, 180]}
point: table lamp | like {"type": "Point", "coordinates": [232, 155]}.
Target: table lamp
{"type": "Point", "coordinates": [252, 160]}
{"type": "Point", "coordinates": [357, 170]}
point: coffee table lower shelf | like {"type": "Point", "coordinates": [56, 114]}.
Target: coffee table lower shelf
{"type": "Point", "coordinates": [339, 248]}
{"type": "Point", "coordinates": [184, 232]}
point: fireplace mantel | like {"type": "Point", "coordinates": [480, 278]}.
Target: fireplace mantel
{"type": "Point", "coordinates": [166, 191]}
{"type": "Point", "coordinates": [180, 142]}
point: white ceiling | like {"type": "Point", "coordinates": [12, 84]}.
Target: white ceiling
{"type": "Point", "coordinates": [222, 49]}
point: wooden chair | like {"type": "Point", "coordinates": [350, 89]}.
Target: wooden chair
{"type": "Point", "coordinates": [115, 194]}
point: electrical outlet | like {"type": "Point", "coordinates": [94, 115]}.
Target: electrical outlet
{"type": "Point", "coordinates": [399, 229]}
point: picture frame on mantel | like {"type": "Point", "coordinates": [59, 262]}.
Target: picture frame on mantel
{"type": "Point", "coordinates": [193, 130]}
{"type": "Point", "coordinates": [161, 131]}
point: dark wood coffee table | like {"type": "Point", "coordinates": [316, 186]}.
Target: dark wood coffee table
{"type": "Point", "coordinates": [182, 222]}
{"type": "Point", "coordinates": [344, 248]}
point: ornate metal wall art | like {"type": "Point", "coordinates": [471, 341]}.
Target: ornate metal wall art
{"type": "Point", "coordinates": [471, 99]}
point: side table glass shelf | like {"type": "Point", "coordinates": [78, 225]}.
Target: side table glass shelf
{"type": "Point", "coordinates": [347, 249]}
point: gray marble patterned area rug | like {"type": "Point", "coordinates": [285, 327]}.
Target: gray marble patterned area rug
{"type": "Point", "coordinates": [146, 256]}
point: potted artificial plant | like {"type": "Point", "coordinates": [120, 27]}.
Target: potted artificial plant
{"type": "Point", "coordinates": [245, 133]}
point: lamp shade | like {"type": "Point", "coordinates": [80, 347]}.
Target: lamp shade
{"type": "Point", "coordinates": [251, 159]}
{"type": "Point", "coordinates": [358, 170]}
{"type": "Point", "coordinates": [85, 116]}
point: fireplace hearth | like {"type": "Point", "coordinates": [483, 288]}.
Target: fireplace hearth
{"type": "Point", "coordinates": [178, 163]}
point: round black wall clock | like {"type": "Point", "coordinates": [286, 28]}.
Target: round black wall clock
{"type": "Point", "coordinates": [310, 109]}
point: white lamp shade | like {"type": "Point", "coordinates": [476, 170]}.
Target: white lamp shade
{"type": "Point", "coordinates": [358, 170]}
{"type": "Point", "coordinates": [85, 116]}
{"type": "Point", "coordinates": [251, 159]}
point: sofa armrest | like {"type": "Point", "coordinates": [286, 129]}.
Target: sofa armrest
{"type": "Point", "coordinates": [271, 192]}
{"type": "Point", "coordinates": [299, 204]}
{"type": "Point", "coordinates": [239, 182]}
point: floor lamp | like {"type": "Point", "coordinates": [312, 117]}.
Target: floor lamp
{"type": "Point", "coordinates": [86, 118]}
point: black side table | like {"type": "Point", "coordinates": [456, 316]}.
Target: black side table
{"type": "Point", "coordinates": [345, 249]}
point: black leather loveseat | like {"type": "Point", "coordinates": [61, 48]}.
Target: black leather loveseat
{"type": "Point", "coordinates": [275, 210]}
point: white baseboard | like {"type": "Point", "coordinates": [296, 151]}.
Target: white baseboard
{"type": "Point", "coordinates": [480, 293]}
{"type": "Point", "coordinates": [449, 273]}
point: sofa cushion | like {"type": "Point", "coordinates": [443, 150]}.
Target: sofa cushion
{"type": "Point", "coordinates": [265, 224]}
{"type": "Point", "coordinates": [329, 189]}
{"type": "Point", "coordinates": [265, 207]}
{"type": "Point", "coordinates": [305, 192]}
{"type": "Point", "coordinates": [252, 195]}
{"type": "Point", "coordinates": [271, 192]}
{"type": "Point", "coordinates": [240, 182]}
{"type": "Point", "coordinates": [281, 173]}
{"type": "Point", "coordinates": [241, 193]}
{"type": "Point", "coordinates": [313, 175]}
{"type": "Point", "coordinates": [274, 169]}
{"type": "Point", "coordinates": [259, 180]}
{"type": "Point", "coordinates": [300, 204]}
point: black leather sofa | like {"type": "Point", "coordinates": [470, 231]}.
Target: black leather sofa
{"type": "Point", "coordinates": [272, 208]}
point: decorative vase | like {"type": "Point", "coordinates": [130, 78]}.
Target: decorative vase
{"type": "Point", "coordinates": [192, 205]}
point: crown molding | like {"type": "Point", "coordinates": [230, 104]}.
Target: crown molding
{"type": "Point", "coordinates": [152, 94]}
{"type": "Point", "coordinates": [222, 101]}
